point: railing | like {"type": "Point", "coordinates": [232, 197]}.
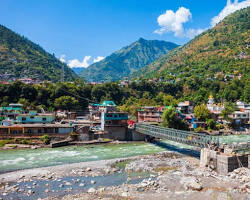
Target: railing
{"type": "Point", "coordinates": [185, 137]}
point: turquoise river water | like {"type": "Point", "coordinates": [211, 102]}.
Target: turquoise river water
{"type": "Point", "coordinates": [11, 160]}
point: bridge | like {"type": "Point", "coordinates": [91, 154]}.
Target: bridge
{"type": "Point", "coordinates": [184, 137]}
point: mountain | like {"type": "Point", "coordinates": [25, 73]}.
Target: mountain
{"type": "Point", "coordinates": [77, 70]}
{"type": "Point", "coordinates": [221, 51]}
{"type": "Point", "coordinates": [127, 60]}
{"type": "Point", "coordinates": [19, 57]}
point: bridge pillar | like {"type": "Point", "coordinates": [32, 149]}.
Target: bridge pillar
{"type": "Point", "coordinates": [221, 162]}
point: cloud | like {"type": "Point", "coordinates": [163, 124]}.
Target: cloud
{"type": "Point", "coordinates": [230, 8]}
{"type": "Point", "coordinates": [77, 63]}
{"type": "Point", "coordinates": [172, 21]}
{"type": "Point", "coordinates": [62, 58]}
{"type": "Point", "coordinates": [98, 58]}
{"type": "Point", "coordinates": [191, 33]}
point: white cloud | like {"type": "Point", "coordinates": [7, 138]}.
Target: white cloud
{"type": "Point", "coordinates": [77, 63]}
{"type": "Point", "coordinates": [172, 21]}
{"type": "Point", "coordinates": [230, 8]}
{"type": "Point", "coordinates": [191, 33]}
{"type": "Point", "coordinates": [62, 58]}
{"type": "Point", "coordinates": [98, 58]}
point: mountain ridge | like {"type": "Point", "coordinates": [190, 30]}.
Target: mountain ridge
{"type": "Point", "coordinates": [20, 57]}
{"type": "Point", "coordinates": [125, 61]}
{"type": "Point", "coordinates": [223, 48]}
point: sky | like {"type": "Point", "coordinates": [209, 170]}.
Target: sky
{"type": "Point", "coordinates": [80, 32]}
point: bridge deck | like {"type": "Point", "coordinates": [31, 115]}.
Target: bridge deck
{"type": "Point", "coordinates": [185, 137]}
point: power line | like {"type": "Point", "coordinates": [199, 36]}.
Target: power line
{"type": "Point", "coordinates": [76, 95]}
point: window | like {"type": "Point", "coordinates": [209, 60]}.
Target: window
{"type": "Point", "coordinates": [31, 117]}
{"type": "Point", "coordinates": [23, 118]}
{"type": "Point", "coordinates": [44, 118]}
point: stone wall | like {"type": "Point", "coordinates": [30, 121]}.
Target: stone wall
{"type": "Point", "coordinates": [222, 163]}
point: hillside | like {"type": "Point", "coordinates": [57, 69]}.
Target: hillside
{"type": "Point", "coordinates": [127, 60]}
{"type": "Point", "coordinates": [220, 51]}
{"type": "Point", "coordinates": [19, 57]}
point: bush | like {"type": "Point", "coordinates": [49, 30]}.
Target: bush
{"type": "Point", "coordinates": [24, 142]}
{"type": "Point", "coordinates": [45, 139]}
{"type": "Point", "coordinates": [73, 136]}
{"type": "Point", "coordinates": [211, 124]}
{"type": "Point", "coordinates": [199, 129]}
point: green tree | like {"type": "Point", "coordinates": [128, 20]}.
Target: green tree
{"type": "Point", "coordinates": [201, 112]}
{"type": "Point", "coordinates": [211, 124]}
{"type": "Point", "coordinates": [169, 100]}
{"type": "Point", "coordinates": [66, 103]}
{"type": "Point", "coordinates": [171, 120]}
{"type": "Point", "coordinates": [228, 109]}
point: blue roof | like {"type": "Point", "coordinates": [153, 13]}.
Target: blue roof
{"type": "Point", "coordinates": [108, 103]}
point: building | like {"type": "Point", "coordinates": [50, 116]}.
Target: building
{"type": "Point", "coordinates": [96, 109]}
{"type": "Point", "coordinates": [114, 118]}
{"type": "Point", "coordinates": [240, 117]}
{"type": "Point", "coordinates": [149, 114]}
{"type": "Point", "coordinates": [33, 130]}
{"type": "Point", "coordinates": [34, 117]}
{"type": "Point", "coordinates": [11, 111]}
{"type": "Point", "coordinates": [186, 107]}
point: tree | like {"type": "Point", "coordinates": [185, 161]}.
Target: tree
{"type": "Point", "coordinates": [211, 124]}
{"type": "Point", "coordinates": [66, 103]}
{"type": "Point", "coordinates": [228, 109]}
{"type": "Point", "coordinates": [169, 100]}
{"type": "Point", "coordinates": [201, 112]}
{"type": "Point", "coordinates": [171, 120]}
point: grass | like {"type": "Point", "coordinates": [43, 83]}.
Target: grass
{"type": "Point", "coordinates": [121, 165]}
{"type": "Point", "coordinates": [165, 168]}
{"type": "Point", "coordinates": [4, 142]}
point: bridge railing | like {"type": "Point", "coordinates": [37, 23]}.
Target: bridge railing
{"type": "Point", "coordinates": [185, 137]}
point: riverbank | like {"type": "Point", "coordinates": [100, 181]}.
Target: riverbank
{"type": "Point", "coordinates": [164, 175]}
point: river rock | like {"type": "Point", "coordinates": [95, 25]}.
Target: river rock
{"type": "Point", "coordinates": [30, 192]}
{"type": "Point", "coordinates": [61, 185]}
{"type": "Point", "coordinates": [92, 182]}
{"type": "Point", "coordinates": [91, 190]}
{"type": "Point", "coordinates": [68, 183]}
{"type": "Point", "coordinates": [81, 185]}
{"type": "Point", "coordinates": [88, 169]}
{"type": "Point", "coordinates": [125, 194]}
{"type": "Point", "coordinates": [47, 190]}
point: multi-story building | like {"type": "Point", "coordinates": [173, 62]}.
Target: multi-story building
{"type": "Point", "coordinates": [149, 114]}
{"type": "Point", "coordinates": [33, 117]}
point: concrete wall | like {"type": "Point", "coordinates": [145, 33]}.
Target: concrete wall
{"type": "Point", "coordinates": [137, 136]}
{"type": "Point", "coordinates": [221, 162]}
{"type": "Point", "coordinates": [116, 133]}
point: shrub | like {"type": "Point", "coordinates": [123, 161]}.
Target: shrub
{"type": "Point", "coordinates": [73, 136]}
{"type": "Point", "coordinates": [24, 142]}
{"type": "Point", "coordinates": [45, 139]}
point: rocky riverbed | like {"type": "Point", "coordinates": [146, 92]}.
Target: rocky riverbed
{"type": "Point", "coordinates": [164, 175]}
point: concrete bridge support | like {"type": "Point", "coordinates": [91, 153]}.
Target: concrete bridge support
{"type": "Point", "coordinates": [221, 162]}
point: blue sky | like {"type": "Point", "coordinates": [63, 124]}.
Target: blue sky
{"type": "Point", "coordinates": [80, 28]}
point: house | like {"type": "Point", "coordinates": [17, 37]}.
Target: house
{"type": "Point", "coordinates": [186, 107]}
{"type": "Point", "coordinates": [33, 130]}
{"type": "Point", "coordinates": [240, 117]}
{"type": "Point", "coordinates": [12, 110]}
{"type": "Point", "coordinates": [114, 118]}
{"type": "Point", "coordinates": [34, 117]}
{"type": "Point", "coordinates": [96, 109]}
{"type": "Point", "coordinates": [149, 114]}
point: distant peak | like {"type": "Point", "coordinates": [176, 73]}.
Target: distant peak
{"type": "Point", "coordinates": [141, 39]}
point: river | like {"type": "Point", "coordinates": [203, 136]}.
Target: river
{"type": "Point", "coordinates": [11, 160]}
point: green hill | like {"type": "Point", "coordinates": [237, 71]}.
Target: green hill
{"type": "Point", "coordinates": [221, 51]}
{"type": "Point", "coordinates": [19, 57]}
{"type": "Point", "coordinates": [127, 60]}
